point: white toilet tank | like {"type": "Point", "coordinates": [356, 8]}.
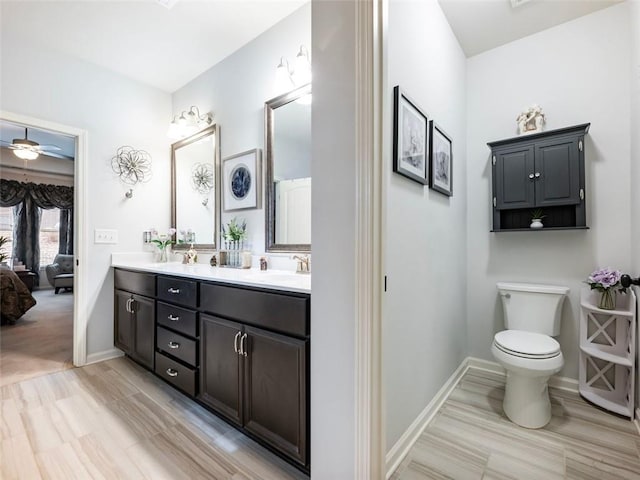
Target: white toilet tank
{"type": "Point", "coordinates": [532, 308]}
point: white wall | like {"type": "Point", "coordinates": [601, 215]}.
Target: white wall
{"type": "Point", "coordinates": [236, 89]}
{"type": "Point", "coordinates": [424, 337]}
{"type": "Point", "coordinates": [333, 239]}
{"type": "Point", "coordinates": [115, 111]}
{"type": "Point", "coordinates": [578, 72]}
{"type": "Point", "coordinates": [635, 136]}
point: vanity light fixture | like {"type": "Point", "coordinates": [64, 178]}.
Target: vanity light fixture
{"type": "Point", "coordinates": [189, 122]}
{"type": "Point", "coordinates": [288, 78]}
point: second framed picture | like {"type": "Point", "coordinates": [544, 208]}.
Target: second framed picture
{"type": "Point", "coordinates": [241, 180]}
{"type": "Point", "coordinates": [441, 160]}
{"type": "Point", "coordinates": [410, 138]}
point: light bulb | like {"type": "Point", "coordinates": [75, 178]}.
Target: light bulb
{"type": "Point", "coordinates": [283, 77]}
{"type": "Point", "coordinates": [26, 154]}
{"type": "Point", "coordinates": [302, 71]}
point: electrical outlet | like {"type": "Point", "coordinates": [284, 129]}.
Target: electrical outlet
{"type": "Point", "coordinates": [103, 235]}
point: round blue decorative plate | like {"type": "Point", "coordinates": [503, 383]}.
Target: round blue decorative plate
{"type": "Point", "coordinates": [240, 182]}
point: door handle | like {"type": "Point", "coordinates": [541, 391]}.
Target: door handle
{"type": "Point", "coordinates": [235, 342]}
{"type": "Point", "coordinates": [126, 306]}
{"type": "Point", "coordinates": [531, 176]}
{"type": "Point", "coordinates": [173, 345]}
{"type": "Point", "coordinates": [242, 350]}
{"type": "Point", "coordinates": [172, 318]}
{"type": "Point", "coordinates": [537, 174]}
{"type": "Point", "coordinates": [174, 291]}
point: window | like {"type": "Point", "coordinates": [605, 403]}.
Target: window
{"type": "Point", "coordinates": [6, 229]}
{"type": "Point", "coordinates": [49, 235]}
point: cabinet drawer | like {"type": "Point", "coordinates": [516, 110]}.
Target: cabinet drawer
{"type": "Point", "coordinates": [176, 345]}
{"type": "Point", "coordinates": [135, 282]}
{"type": "Point", "coordinates": [178, 375]}
{"type": "Point", "coordinates": [175, 290]}
{"type": "Point", "coordinates": [177, 318]}
{"type": "Point", "coordinates": [283, 313]}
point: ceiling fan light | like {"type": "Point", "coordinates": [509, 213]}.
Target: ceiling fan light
{"type": "Point", "coordinates": [26, 153]}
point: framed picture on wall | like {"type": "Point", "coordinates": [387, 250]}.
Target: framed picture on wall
{"type": "Point", "coordinates": [241, 180]}
{"type": "Point", "coordinates": [441, 160]}
{"type": "Point", "coordinates": [410, 138]}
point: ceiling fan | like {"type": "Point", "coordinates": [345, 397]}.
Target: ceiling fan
{"type": "Point", "coordinates": [29, 150]}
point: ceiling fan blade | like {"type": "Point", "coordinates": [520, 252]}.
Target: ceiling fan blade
{"type": "Point", "coordinates": [6, 143]}
{"type": "Point", "coordinates": [56, 155]}
{"type": "Point", "coordinates": [49, 147]}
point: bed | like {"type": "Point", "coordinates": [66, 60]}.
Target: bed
{"type": "Point", "coordinates": [15, 298]}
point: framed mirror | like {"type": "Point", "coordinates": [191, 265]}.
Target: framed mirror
{"type": "Point", "coordinates": [288, 176]}
{"type": "Point", "coordinates": [195, 189]}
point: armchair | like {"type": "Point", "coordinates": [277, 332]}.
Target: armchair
{"type": "Point", "coordinates": [60, 272]}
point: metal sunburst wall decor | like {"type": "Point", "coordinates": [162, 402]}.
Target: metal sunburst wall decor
{"type": "Point", "coordinates": [202, 180]}
{"type": "Point", "coordinates": [132, 166]}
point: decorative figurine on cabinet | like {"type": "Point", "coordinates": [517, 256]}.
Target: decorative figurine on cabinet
{"type": "Point", "coordinates": [532, 120]}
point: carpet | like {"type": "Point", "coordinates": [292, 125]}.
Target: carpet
{"type": "Point", "coordinates": [40, 342]}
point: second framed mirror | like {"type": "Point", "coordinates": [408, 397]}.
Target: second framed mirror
{"type": "Point", "coordinates": [288, 176]}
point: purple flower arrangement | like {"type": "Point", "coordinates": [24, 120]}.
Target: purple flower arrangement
{"type": "Point", "coordinates": [604, 279]}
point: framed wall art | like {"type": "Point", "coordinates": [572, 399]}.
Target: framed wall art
{"type": "Point", "coordinates": [410, 138]}
{"type": "Point", "coordinates": [441, 160]}
{"type": "Point", "coordinates": [241, 180]}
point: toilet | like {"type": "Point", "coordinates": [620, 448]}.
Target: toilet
{"type": "Point", "coordinates": [527, 350]}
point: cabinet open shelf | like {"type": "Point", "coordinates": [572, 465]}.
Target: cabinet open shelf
{"type": "Point", "coordinates": [607, 352]}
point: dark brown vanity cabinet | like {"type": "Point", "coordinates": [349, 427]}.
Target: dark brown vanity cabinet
{"type": "Point", "coordinates": [135, 315]}
{"type": "Point", "coordinates": [255, 377]}
{"type": "Point", "coordinates": [242, 352]}
{"type": "Point", "coordinates": [540, 171]}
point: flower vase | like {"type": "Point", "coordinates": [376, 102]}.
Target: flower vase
{"type": "Point", "coordinates": [163, 255]}
{"type": "Point", "coordinates": [607, 299]}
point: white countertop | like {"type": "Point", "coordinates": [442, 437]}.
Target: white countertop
{"type": "Point", "coordinates": [273, 279]}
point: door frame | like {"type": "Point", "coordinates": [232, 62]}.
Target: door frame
{"type": "Point", "coordinates": [80, 319]}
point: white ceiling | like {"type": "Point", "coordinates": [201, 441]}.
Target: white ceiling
{"type": "Point", "coordinates": [480, 25]}
{"type": "Point", "coordinates": [143, 40]}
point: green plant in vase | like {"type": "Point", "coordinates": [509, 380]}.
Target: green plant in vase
{"type": "Point", "coordinates": [536, 218]}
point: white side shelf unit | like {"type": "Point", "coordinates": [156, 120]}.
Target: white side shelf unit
{"type": "Point", "coordinates": [608, 352]}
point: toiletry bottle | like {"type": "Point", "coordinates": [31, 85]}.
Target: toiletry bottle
{"type": "Point", "coordinates": [263, 263]}
{"type": "Point", "coordinates": [214, 261]}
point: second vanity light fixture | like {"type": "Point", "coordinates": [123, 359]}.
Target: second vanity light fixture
{"type": "Point", "coordinates": [288, 78]}
{"type": "Point", "coordinates": [189, 122]}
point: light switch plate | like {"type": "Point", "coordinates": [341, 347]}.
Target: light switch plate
{"type": "Point", "coordinates": [107, 236]}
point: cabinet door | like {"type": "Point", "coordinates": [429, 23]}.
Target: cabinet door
{"type": "Point", "coordinates": [275, 402]}
{"type": "Point", "coordinates": [220, 385]}
{"type": "Point", "coordinates": [123, 322]}
{"type": "Point", "coordinates": [144, 330]}
{"type": "Point", "coordinates": [513, 187]}
{"type": "Point", "coordinates": [558, 165]}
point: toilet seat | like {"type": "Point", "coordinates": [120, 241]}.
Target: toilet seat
{"type": "Point", "coordinates": [526, 344]}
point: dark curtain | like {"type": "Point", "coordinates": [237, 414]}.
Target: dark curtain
{"type": "Point", "coordinates": [28, 199]}
{"type": "Point", "coordinates": [66, 231]}
{"type": "Point", "coordinates": [26, 233]}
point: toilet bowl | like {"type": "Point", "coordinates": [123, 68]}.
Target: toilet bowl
{"type": "Point", "coordinates": [527, 350]}
{"type": "Point", "coordinates": [529, 360]}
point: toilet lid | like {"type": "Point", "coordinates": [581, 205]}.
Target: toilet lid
{"type": "Point", "coordinates": [527, 344]}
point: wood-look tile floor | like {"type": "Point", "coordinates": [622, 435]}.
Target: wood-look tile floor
{"type": "Point", "coordinates": [471, 438]}
{"type": "Point", "coordinates": [115, 420]}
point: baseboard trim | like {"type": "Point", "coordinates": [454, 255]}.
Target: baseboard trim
{"type": "Point", "coordinates": [401, 448]}
{"type": "Point", "coordinates": [104, 355]}
{"type": "Point", "coordinates": [636, 421]}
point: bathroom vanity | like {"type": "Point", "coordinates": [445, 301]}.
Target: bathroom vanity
{"type": "Point", "coordinates": [236, 341]}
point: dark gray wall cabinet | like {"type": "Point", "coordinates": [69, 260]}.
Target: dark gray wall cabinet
{"type": "Point", "coordinates": [241, 352]}
{"type": "Point", "coordinates": [540, 171]}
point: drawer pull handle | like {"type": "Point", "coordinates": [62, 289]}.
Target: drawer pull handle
{"type": "Point", "coordinates": [235, 342]}
{"type": "Point", "coordinates": [173, 345]}
{"type": "Point", "coordinates": [172, 318]}
{"type": "Point", "coordinates": [175, 291]}
{"type": "Point", "coordinates": [171, 372]}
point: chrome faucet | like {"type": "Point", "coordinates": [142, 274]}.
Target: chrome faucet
{"type": "Point", "coordinates": [304, 263]}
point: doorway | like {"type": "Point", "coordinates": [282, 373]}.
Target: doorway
{"type": "Point", "coordinates": [72, 296]}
